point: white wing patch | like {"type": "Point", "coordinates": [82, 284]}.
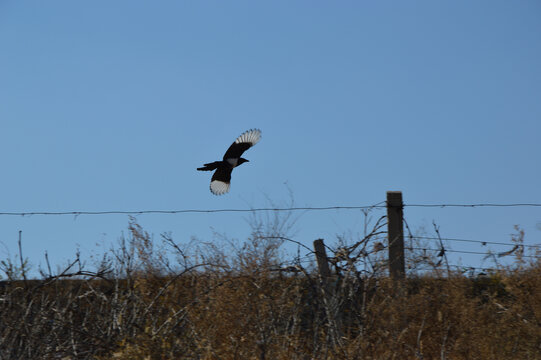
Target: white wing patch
{"type": "Point", "coordinates": [251, 136]}
{"type": "Point", "coordinates": [218, 187]}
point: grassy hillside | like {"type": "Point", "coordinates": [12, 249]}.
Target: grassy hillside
{"type": "Point", "coordinates": [145, 301]}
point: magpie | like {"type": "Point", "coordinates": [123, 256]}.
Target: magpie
{"type": "Point", "coordinates": [221, 180]}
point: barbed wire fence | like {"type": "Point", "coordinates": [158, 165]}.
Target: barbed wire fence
{"type": "Point", "coordinates": [380, 205]}
{"type": "Point", "coordinates": [419, 248]}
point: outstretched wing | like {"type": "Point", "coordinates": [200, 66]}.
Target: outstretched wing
{"type": "Point", "coordinates": [245, 141]}
{"type": "Point", "coordinates": [221, 180]}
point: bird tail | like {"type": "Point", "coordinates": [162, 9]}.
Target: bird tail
{"type": "Point", "coordinates": [210, 166]}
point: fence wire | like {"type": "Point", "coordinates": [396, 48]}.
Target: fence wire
{"type": "Point", "coordinates": [206, 211]}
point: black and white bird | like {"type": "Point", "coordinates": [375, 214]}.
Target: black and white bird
{"type": "Point", "coordinates": [221, 180]}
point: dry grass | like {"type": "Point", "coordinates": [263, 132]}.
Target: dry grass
{"type": "Point", "coordinates": [218, 304]}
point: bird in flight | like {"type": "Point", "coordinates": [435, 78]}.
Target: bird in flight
{"type": "Point", "coordinates": [221, 180]}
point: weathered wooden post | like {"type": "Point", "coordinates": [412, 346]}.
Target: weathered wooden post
{"type": "Point", "coordinates": [395, 231]}
{"type": "Point", "coordinates": [330, 300]}
{"type": "Point", "coordinates": [322, 262]}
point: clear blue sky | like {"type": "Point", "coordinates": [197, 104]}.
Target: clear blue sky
{"type": "Point", "coordinates": [111, 105]}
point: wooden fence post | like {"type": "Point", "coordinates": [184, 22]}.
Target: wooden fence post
{"type": "Point", "coordinates": [322, 263]}
{"type": "Point", "coordinates": [330, 299]}
{"type": "Point", "coordinates": [395, 230]}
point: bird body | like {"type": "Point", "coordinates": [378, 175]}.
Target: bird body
{"type": "Point", "coordinates": [221, 179]}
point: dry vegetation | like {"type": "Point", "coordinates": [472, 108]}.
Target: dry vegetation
{"type": "Point", "coordinates": [157, 300]}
